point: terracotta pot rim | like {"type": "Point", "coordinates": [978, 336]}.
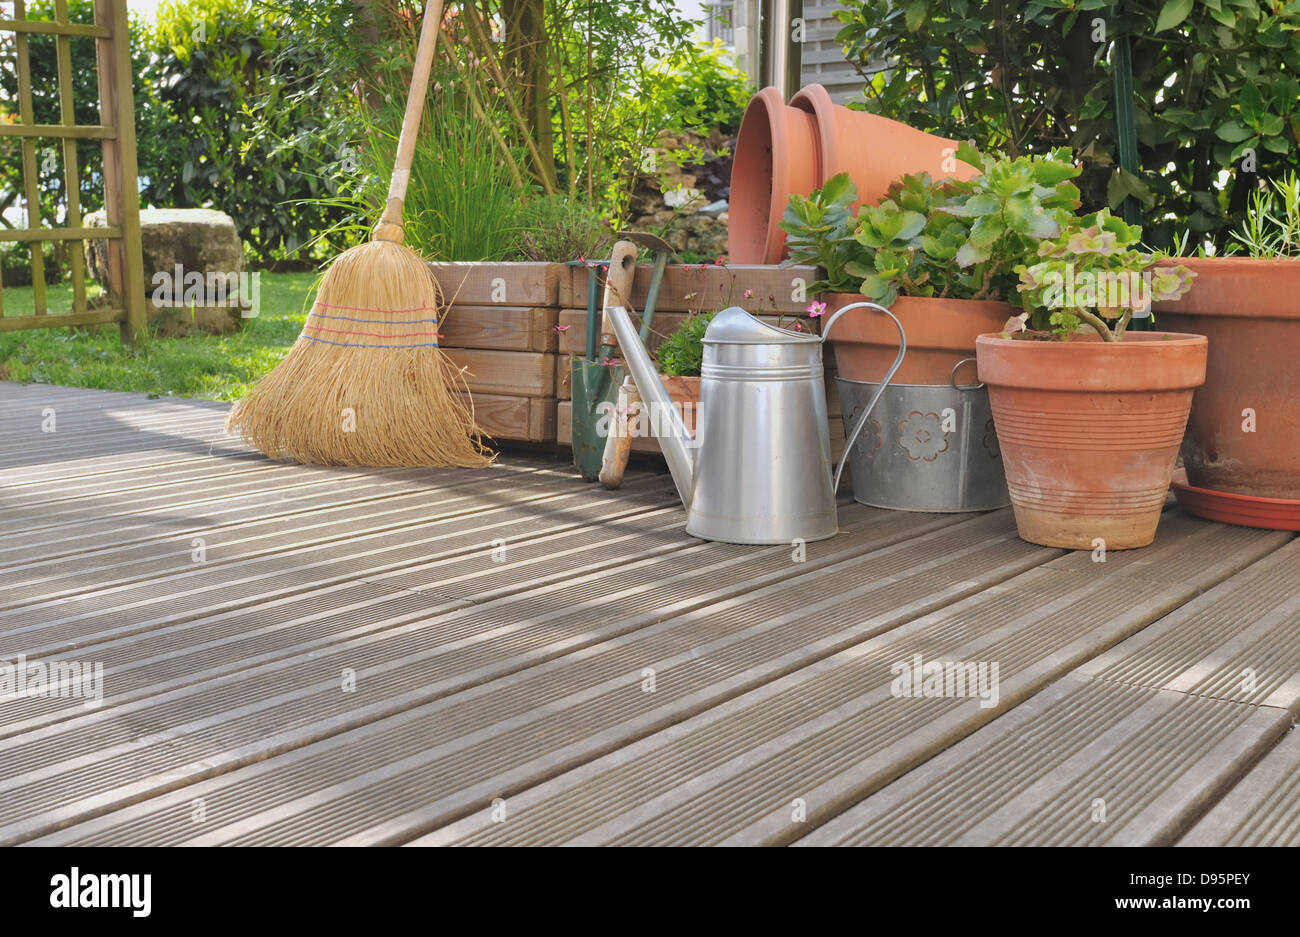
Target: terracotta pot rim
{"type": "Point", "coordinates": [928, 301]}
{"type": "Point", "coordinates": [773, 104]}
{"type": "Point", "coordinates": [1238, 288]}
{"type": "Point", "coordinates": [1147, 364]}
{"type": "Point", "coordinates": [1228, 260]}
{"type": "Point", "coordinates": [816, 100]}
{"type": "Point", "coordinates": [768, 113]}
{"type": "Point", "coordinates": [1140, 339]}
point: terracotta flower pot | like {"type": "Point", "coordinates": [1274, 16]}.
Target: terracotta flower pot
{"type": "Point", "coordinates": [776, 154]}
{"type": "Point", "coordinates": [1250, 311]}
{"type": "Point", "coordinates": [1090, 430]}
{"type": "Point", "coordinates": [940, 333]}
{"type": "Point", "coordinates": [875, 151]}
{"type": "Point", "coordinates": [684, 390]}
{"type": "Point", "coordinates": [784, 149]}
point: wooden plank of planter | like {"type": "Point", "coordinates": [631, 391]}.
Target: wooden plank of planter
{"type": "Point", "coordinates": [527, 419]}
{"type": "Point", "coordinates": [513, 373]}
{"type": "Point", "coordinates": [499, 284]}
{"type": "Point", "coordinates": [563, 377]}
{"type": "Point", "coordinates": [774, 288]}
{"type": "Point", "coordinates": [503, 328]}
{"type": "Point", "coordinates": [564, 435]}
{"type": "Point", "coordinates": [564, 423]}
{"type": "Point", "coordinates": [573, 338]}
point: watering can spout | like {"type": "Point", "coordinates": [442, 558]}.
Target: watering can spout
{"type": "Point", "coordinates": [675, 440]}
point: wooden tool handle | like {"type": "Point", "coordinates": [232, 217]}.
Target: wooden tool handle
{"type": "Point", "coordinates": [618, 287]}
{"type": "Point", "coordinates": [390, 223]}
{"type": "Point", "coordinates": [618, 444]}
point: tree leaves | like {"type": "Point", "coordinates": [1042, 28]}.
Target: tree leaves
{"type": "Point", "coordinates": [1123, 184]}
{"type": "Point", "coordinates": [1003, 76]}
{"type": "Point", "coordinates": [1173, 13]}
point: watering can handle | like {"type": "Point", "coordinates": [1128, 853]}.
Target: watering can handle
{"type": "Point", "coordinates": [852, 437]}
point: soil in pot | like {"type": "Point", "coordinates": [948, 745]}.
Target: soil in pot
{"type": "Point", "coordinates": [1243, 436]}
{"type": "Point", "coordinates": [1090, 431]}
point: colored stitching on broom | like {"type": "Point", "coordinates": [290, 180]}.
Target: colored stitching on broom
{"type": "Point", "coordinates": [321, 315]}
{"type": "Point", "coordinates": [374, 334]}
{"type": "Point", "coordinates": [326, 341]}
{"type": "Point", "coordinates": [371, 309]}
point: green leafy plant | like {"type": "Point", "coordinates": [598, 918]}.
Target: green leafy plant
{"type": "Point", "coordinates": [682, 353]}
{"type": "Point", "coordinates": [698, 87]}
{"type": "Point", "coordinates": [1272, 227]}
{"type": "Point", "coordinates": [1215, 86]}
{"type": "Point", "coordinates": [248, 147]}
{"type": "Point", "coordinates": [945, 238]}
{"type": "Point", "coordinates": [1093, 276]}
{"type": "Point", "coordinates": [559, 228]}
{"type": "Point", "coordinates": [462, 202]}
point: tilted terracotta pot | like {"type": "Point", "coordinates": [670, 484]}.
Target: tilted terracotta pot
{"type": "Point", "coordinates": [875, 151]}
{"type": "Point", "coordinates": [1250, 311]}
{"type": "Point", "coordinates": [940, 333]}
{"type": "Point", "coordinates": [1090, 430]}
{"type": "Point", "coordinates": [776, 154]}
{"type": "Point", "coordinates": [794, 149]}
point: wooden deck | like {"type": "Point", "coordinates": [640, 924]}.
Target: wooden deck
{"type": "Point", "coordinates": [305, 655]}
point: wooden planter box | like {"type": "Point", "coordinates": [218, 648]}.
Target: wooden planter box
{"type": "Point", "coordinates": [513, 326]}
{"type": "Point", "coordinates": [500, 326]}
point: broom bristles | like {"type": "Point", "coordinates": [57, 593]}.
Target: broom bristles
{"type": "Point", "coordinates": [365, 383]}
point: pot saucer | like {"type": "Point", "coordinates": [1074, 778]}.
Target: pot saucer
{"type": "Point", "coordinates": [1242, 510]}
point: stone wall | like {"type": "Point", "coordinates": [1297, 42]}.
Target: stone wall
{"type": "Point", "coordinates": [688, 199]}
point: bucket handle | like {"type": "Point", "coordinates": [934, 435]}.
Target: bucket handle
{"type": "Point", "coordinates": [952, 377]}
{"type": "Point", "coordinates": [852, 437]}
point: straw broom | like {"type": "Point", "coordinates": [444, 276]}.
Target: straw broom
{"type": "Point", "coordinates": [366, 383]}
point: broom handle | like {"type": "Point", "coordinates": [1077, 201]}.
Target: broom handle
{"type": "Point", "coordinates": [390, 223]}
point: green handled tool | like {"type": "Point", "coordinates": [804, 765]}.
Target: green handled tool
{"type": "Point", "coordinates": [596, 381]}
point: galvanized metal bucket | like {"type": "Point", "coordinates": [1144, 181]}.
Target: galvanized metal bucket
{"type": "Point", "coordinates": [925, 447]}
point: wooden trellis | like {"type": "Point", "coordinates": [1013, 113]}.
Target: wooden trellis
{"type": "Point", "coordinates": [121, 192]}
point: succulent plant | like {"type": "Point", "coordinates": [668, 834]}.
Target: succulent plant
{"type": "Point", "coordinates": [1090, 275]}
{"type": "Point", "coordinates": [946, 238]}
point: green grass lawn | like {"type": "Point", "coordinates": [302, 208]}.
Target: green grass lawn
{"type": "Point", "coordinates": [213, 367]}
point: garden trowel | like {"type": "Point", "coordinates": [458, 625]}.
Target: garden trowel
{"type": "Point", "coordinates": [618, 442]}
{"type": "Point", "coordinates": [596, 378]}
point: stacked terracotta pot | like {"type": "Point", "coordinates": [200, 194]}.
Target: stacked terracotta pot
{"type": "Point", "coordinates": [793, 148]}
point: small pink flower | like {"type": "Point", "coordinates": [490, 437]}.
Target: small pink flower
{"type": "Point", "coordinates": [563, 328]}
{"type": "Point", "coordinates": [816, 309]}
{"type": "Point", "coordinates": [798, 327]}
{"type": "Point", "coordinates": [748, 293]}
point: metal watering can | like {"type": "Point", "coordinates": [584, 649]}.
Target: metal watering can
{"type": "Point", "coordinates": [758, 468]}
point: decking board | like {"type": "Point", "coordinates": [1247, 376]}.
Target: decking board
{"type": "Point", "coordinates": [520, 676]}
